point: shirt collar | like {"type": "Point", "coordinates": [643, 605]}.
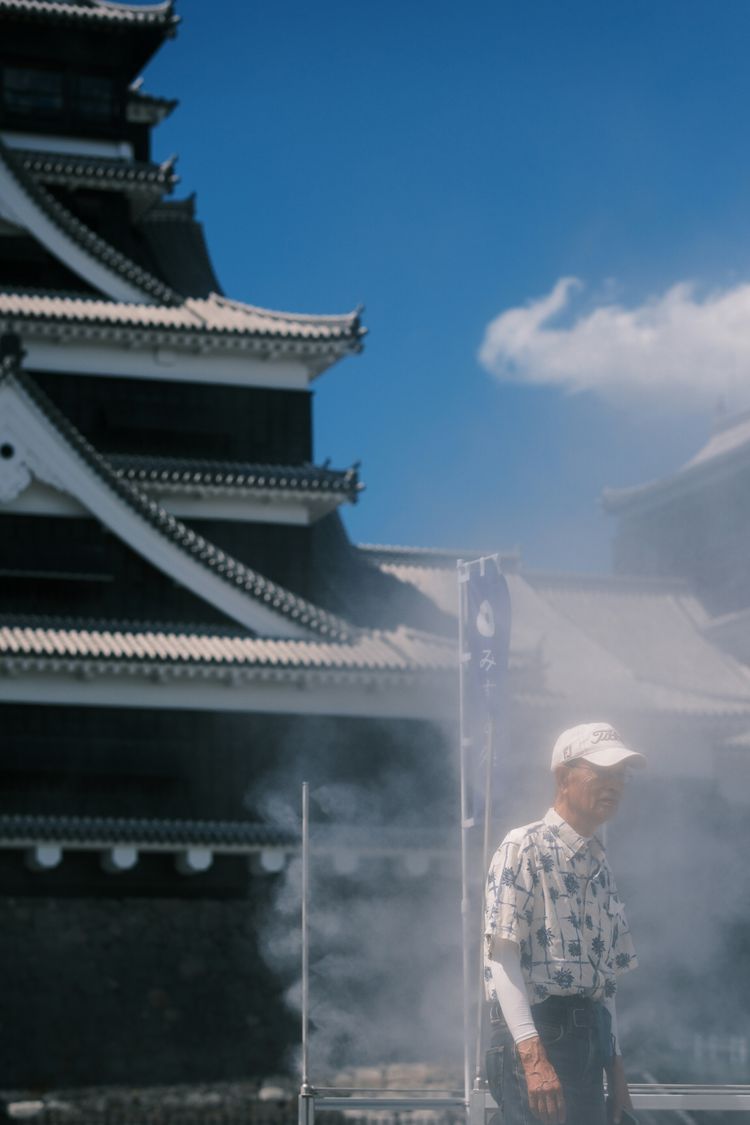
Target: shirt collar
{"type": "Point", "coordinates": [573, 841]}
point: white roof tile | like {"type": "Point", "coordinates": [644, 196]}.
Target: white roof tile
{"type": "Point", "coordinates": [212, 315]}
{"type": "Point", "coordinates": [399, 650]}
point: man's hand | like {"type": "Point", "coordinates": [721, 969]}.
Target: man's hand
{"type": "Point", "coordinates": [546, 1099]}
{"type": "Point", "coordinates": [617, 1089]}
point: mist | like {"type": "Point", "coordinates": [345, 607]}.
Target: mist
{"type": "Point", "coordinates": [632, 647]}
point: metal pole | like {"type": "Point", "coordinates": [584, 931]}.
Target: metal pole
{"type": "Point", "coordinates": [305, 938]}
{"type": "Point", "coordinates": [485, 863]}
{"type": "Point", "coordinates": [462, 575]}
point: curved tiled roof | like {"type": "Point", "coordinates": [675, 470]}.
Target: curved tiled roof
{"type": "Point", "coordinates": [430, 556]}
{"type": "Point", "coordinates": [218, 835]}
{"type": "Point", "coordinates": [103, 12]}
{"type": "Point", "coordinates": [312, 480]}
{"type": "Point", "coordinates": [98, 172]}
{"type": "Point", "coordinates": [726, 451]}
{"type": "Point", "coordinates": [64, 645]}
{"type": "Point", "coordinates": [73, 229]}
{"type": "Point", "coordinates": [149, 108]}
{"type": "Point", "coordinates": [100, 830]}
{"type": "Point", "coordinates": [208, 319]}
{"type": "Point", "coordinates": [243, 578]}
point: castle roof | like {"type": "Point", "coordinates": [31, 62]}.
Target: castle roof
{"type": "Point", "coordinates": [98, 172]}
{"type": "Point", "coordinates": [72, 241]}
{"type": "Point", "coordinates": [103, 13]}
{"type": "Point", "coordinates": [213, 321]}
{"type": "Point", "coordinates": [727, 450]}
{"type": "Point", "coordinates": [181, 473]}
{"type": "Point", "coordinates": [236, 589]}
{"type": "Point", "coordinates": [117, 648]}
{"type": "Point", "coordinates": [604, 639]}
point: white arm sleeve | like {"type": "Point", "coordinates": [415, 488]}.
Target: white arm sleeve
{"type": "Point", "coordinates": [612, 1009]}
{"type": "Point", "coordinates": [508, 982]}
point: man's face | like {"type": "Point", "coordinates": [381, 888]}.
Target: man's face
{"type": "Point", "coordinates": [593, 791]}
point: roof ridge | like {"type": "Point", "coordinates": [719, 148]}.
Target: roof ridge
{"type": "Point", "coordinates": [121, 625]}
{"type": "Point", "coordinates": [39, 162]}
{"type": "Point", "coordinates": [615, 500]}
{"type": "Point", "coordinates": [236, 574]}
{"type": "Point", "coordinates": [98, 248]}
{"type": "Point", "coordinates": [177, 470]}
{"type": "Point", "coordinates": [645, 582]}
{"type": "Point", "coordinates": [436, 553]}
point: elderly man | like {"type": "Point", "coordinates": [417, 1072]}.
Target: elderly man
{"type": "Point", "coordinates": [556, 940]}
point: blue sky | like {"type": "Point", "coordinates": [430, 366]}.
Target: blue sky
{"type": "Point", "coordinates": [444, 164]}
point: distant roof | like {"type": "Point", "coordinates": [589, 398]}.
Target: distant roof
{"type": "Point", "coordinates": [431, 556]}
{"type": "Point", "coordinates": [606, 639]}
{"type": "Point", "coordinates": [727, 449]}
{"type": "Point", "coordinates": [103, 12]}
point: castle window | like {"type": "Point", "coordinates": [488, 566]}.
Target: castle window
{"type": "Point", "coordinates": [94, 98]}
{"type": "Point", "coordinates": [27, 91]}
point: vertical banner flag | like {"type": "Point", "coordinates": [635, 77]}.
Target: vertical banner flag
{"type": "Point", "coordinates": [485, 607]}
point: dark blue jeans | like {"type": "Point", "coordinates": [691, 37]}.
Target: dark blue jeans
{"type": "Point", "coordinates": [571, 1031]}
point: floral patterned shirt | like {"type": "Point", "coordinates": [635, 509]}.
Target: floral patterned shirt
{"type": "Point", "coordinates": [551, 891]}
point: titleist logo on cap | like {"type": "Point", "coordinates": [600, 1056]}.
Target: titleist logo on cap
{"type": "Point", "coordinates": [598, 743]}
{"type": "Point", "coordinates": [607, 734]}
{"type": "Point", "coordinates": [592, 738]}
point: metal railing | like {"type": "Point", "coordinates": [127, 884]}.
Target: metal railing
{"type": "Point", "coordinates": [645, 1096]}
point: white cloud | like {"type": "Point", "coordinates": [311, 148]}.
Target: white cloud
{"type": "Point", "coordinates": [679, 348]}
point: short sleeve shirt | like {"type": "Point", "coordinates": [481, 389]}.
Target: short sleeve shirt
{"type": "Point", "coordinates": [551, 891]}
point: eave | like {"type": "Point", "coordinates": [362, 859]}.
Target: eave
{"type": "Point", "coordinates": [103, 13]}
{"type": "Point", "coordinates": [726, 453]}
{"type": "Point", "coordinates": [101, 173]}
{"type": "Point", "coordinates": [214, 477]}
{"type": "Point", "coordinates": [400, 674]}
{"type": "Point", "coordinates": [147, 109]}
{"type": "Point", "coordinates": [160, 341]}
{"type": "Point", "coordinates": [122, 842]}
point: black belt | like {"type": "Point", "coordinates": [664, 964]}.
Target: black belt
{"type": "Point", "coordinates": [573, 1011]}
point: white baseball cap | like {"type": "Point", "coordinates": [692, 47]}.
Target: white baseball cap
{"type": "Point", "coordinates": [598, 743]}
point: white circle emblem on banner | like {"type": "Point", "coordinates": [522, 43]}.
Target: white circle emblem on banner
{"type": "Point", "coordinates": [486, 620]}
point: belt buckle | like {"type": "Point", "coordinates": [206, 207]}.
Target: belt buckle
{"type": "Point", "coordinates": [581, 1017]}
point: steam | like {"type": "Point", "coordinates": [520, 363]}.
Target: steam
{"type": "Point", "coordinates": [385, 941]}
{"type": "Point", "coordinates": [677, 348]}
{"type": "Point", "coordinates": [677, 851]}
{"type": "Point", "coordinates": [386, 983]}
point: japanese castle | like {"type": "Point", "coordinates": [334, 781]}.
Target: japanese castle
{"type": "Point", "coordinates": [185, 624]}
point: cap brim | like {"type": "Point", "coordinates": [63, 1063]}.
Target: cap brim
{"type": "Point", "coordinates": [614, 757]}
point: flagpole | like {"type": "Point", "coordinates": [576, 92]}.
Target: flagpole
{"type": "Point", "coordinates": [485, 864]}
{"type": "Point", "coordinates": [305, 938]}
{"type": "Point", "coordinates": [462, 576]}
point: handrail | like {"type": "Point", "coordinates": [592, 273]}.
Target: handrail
{"type": "Point", "coordinates": [705, 1097]}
